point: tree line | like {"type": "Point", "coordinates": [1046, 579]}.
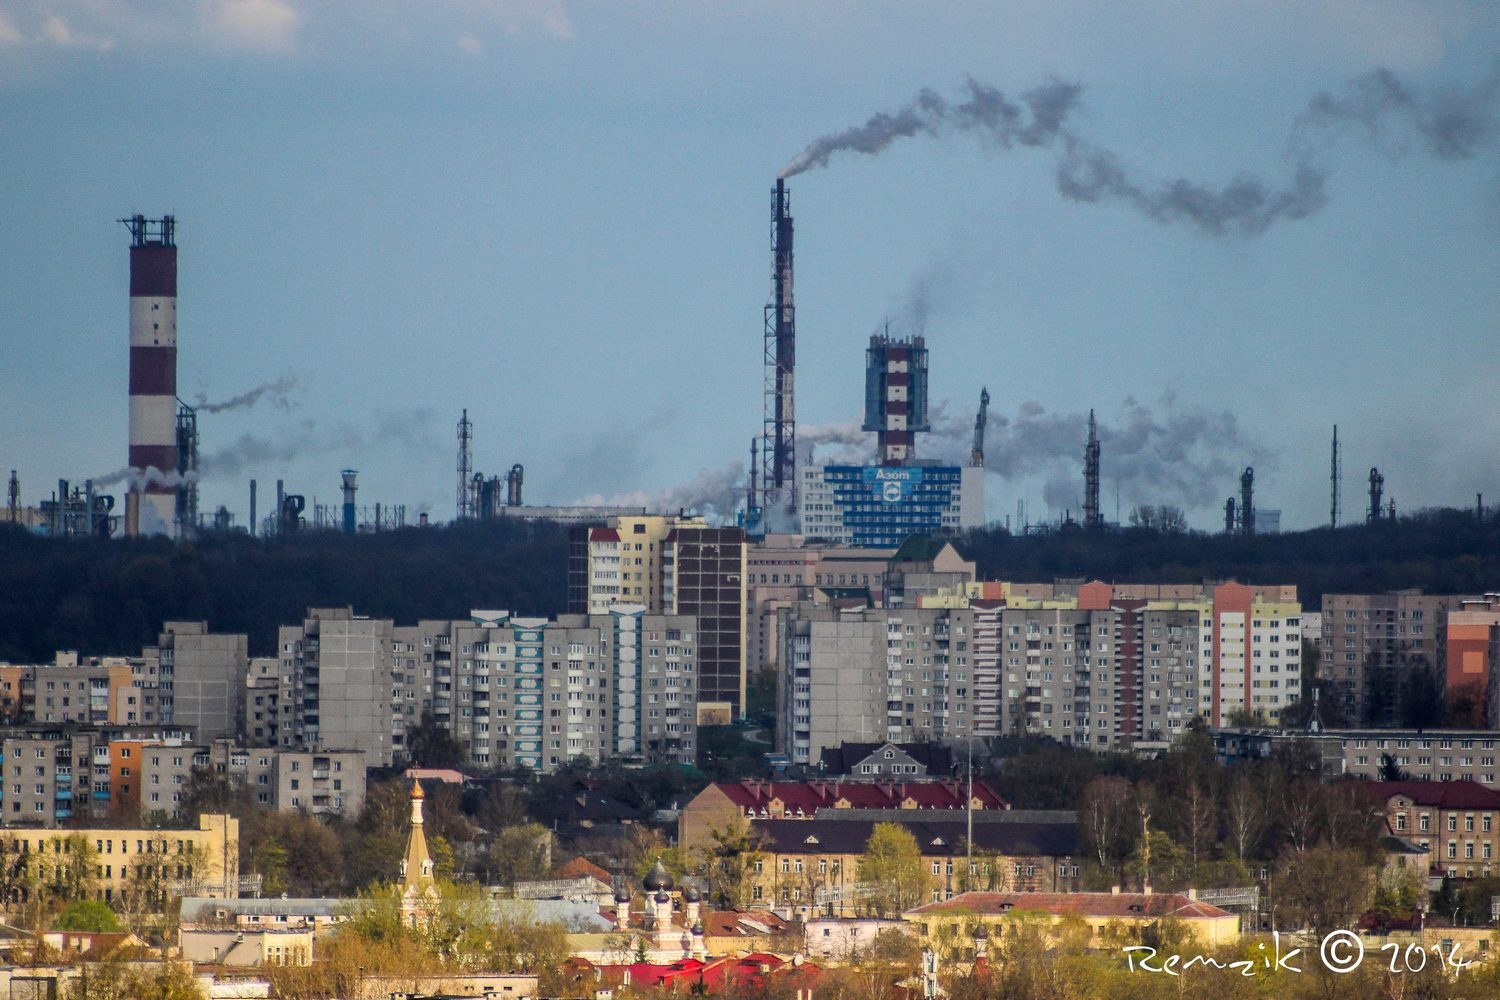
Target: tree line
{"type": "Point", "coordinates": [111, 596]}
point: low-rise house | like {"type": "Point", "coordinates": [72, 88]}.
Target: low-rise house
{"type": "Point", "coordinates": [886, 761]}
{"type": "Point", "coordinates": [810, 868]}
{"type": "Point", "coordinates": [949, 927]}
{"type": "Point", "coordinates": [317, 914]}
{"type": "Point", "coordinates": [246, 948]}
{"type": "Point", "coordinates": [723, 804]}
{"type": "Point", "coordinates": [847, 940]}
{"type": "Point", "coordinates": [1458, 821]}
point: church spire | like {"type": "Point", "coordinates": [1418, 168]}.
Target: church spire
{"type": "Point", "coordinates": [417, 885]}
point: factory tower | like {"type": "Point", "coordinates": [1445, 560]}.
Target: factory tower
{"type": "Point", "coordinates": [151, 503]}
{"type": "Point", "coordinates": [778, 452]}
{"type": "Point", "coordinates": [896, 396]}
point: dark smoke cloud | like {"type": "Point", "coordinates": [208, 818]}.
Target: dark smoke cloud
{"type": "Point", "coordinates": [1451, 125]}
{"type": "Point", "coordinates": [985, 110]}
{"type": "Point", "coordinates": [277, 391]}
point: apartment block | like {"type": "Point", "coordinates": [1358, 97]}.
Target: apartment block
{"type": "Point", "coordinates": [1373, 643]}
{"type": "Point", "coordinates": [1472, 657]}
{"type": "Point", "coordinates": [782, 569]}
{"type": "Point", "coordinates": [200, 677]}
{"type": "Point", "coordinates": [672, 565]}
{"type": "Point", "coordinates": [1093, 669]}
{"type": "Point", "coordinates": [336, 685]}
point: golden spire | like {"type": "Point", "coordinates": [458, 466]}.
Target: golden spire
{"type": "Point", "coordinates": [416, 868]}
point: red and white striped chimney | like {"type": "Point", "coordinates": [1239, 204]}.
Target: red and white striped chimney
{"type": "Point", "coordinates": [150, 506]}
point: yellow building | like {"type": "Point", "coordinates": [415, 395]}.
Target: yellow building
{"type": "Point", "coordinates": [949, 926]}
{"type": "Point", "coordinates": [201, 862]}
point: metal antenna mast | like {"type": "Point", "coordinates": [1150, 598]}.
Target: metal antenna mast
{"type": "Point", "coordinates": [1091, 516]}
{"type": "Point", "coordinates": [1333, 481]}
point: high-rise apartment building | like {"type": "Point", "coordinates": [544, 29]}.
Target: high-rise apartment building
{"type": "Point", "coordinates": [1374, 644]}
{"type": "Point", "coordinates": [672, 565]}
{"type": "Point", "coordinates": [513, 691]}
{"type": "Point", "coordinates": [1092, 668]}
{"type": "Point", "coordinates": [337, 689]}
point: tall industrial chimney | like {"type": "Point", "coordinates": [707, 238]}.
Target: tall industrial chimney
{"type": "Point", "coordinates": [1092, 518]}
{"type": "Point", "coordinates": [1335, 474]}
{"type": "Point", "coordinates": [153, 374]}
{"type": "Point", "coordinates": [252, 508]}
{"type": "Point", "coordinates": [1377, 487]}
{"type": "Point", "coordinates": [779, 453]}
{"type": "Point", "coordinates": [465, 464]}
{"type": "Point", "coordinates": [1247, 502]}
{"type": "Point", "coordinates": [349, 487]}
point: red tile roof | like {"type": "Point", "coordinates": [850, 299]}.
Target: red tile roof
{"type": "Point", "coordinates": [1084, 904]}
{"type": "Point", "coordinates": [810, 796]}
{"type": "Point", "coordinates": [747, 970]}
{"type": "Point", "coordinates": [1437, 794]}
{"type": "Point", "coordinates": [603, 535]}
{"type": "Point", "coordinates": [580, 867]}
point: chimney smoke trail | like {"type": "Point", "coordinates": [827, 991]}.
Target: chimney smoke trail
{"type": "Point", "coordinates": [1451, 125]}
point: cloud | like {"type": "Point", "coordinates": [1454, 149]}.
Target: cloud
{"type": "Point", "coordinates": [468, 43]}
{"type": "Point", "coordinates": [522, 16]}
{"type": "Point", "coordinates": [9, 33]}
{"type": "Point", "coordinates": [266, 26]}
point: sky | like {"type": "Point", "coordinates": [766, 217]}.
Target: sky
{"type": "Point", "coordinates": [1223, 227]}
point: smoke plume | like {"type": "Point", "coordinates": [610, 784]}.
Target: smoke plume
{"type": "Point", "coordinates": [1173, 454]}
{"type": "Point", "coordinates": [1450, 125]}
{"type": "Point", "coordinates": [277, 392]}
{"type": "Point", "coordinates": [714, 494]}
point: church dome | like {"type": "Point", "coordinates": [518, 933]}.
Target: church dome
{"type": "Point", "coordinates": [657, 879]}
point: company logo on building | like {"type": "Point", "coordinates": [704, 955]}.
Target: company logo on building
{"type": "Point", "coordinates": [892, 485]}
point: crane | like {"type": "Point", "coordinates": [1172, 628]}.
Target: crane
{"type": "Point", "coordinates": [976, 457]}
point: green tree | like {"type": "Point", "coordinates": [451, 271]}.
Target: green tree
{"type": "Point", "coordinates": [87, 915]}
{"type": "Point", "coordinates": [430, 744]}
{"type": "Point", "coordinates": [729, 860]}
{"type": "Point", "coordinates": [893, 868]}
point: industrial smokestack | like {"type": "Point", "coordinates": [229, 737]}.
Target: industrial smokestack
{"type": "Point", "coordinates": [153, 371]}
{"type": "Point", "coordinates": [465, 466]}
{"type": "Point", "coordinates": [1247, 502]}
{"type": "Point", "coordinates": [1377, 486]}
{"type": "Point", "coordinates": [349, 487]}
{"type": "Point", "coordinates": [779, 454]}
{"type": "Point", "coordinates": [1229, 517]}
{"type": "Point", "coordinates": [13, 497]}
{"type": "Point", "coordinates": [513, 481]}
{"type": "Point", "coordinates": [1334, 476]}
{"type": "Point", "coordinates": [252, 508]}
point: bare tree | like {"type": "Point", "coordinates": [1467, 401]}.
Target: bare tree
{"type": "Point", "coordinates": [1106, 820]}
{"type": "Point", "coordinates": [1245, 816]}
{"type": "Point", "coordinates": [1350, 819]}
{"type": "Point", "coordinates": [1301, 810]}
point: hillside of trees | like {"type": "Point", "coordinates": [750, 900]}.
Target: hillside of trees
{"type": "Point", "coordinates": [109, 597]}
{"type": "Point", "coordinates": [1440, 551]}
